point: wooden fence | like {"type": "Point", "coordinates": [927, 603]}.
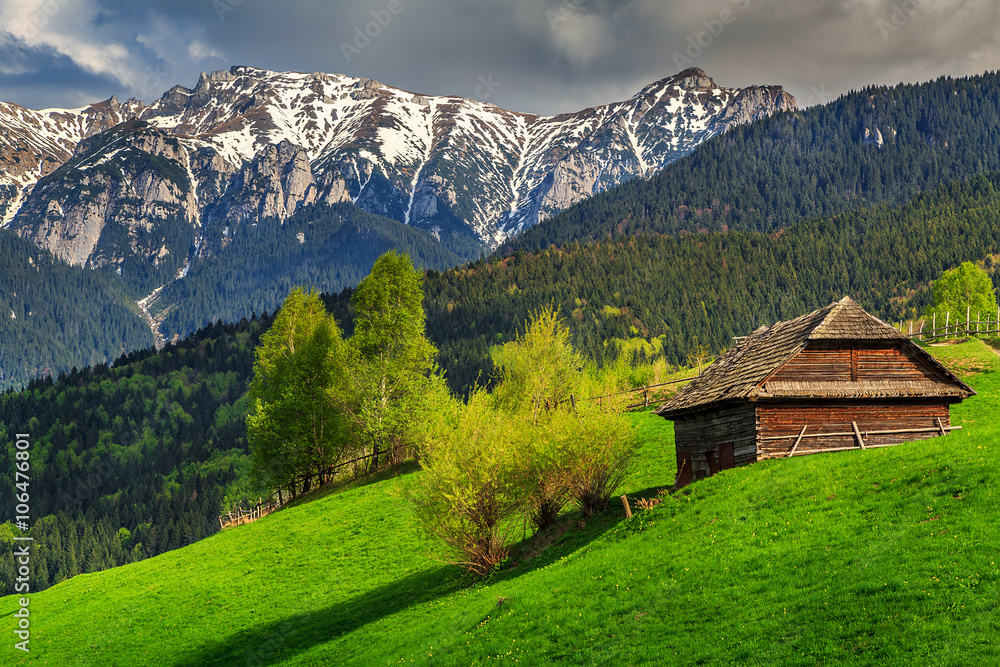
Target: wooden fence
{"type": "Point", "coordinates": [953, 328]}
{"type": "Point", "coordinates": [860, 437]}
{"type": "Point", "coordinates": [240, 515]}
{"type": "Point", "coordinates": [652, 397]}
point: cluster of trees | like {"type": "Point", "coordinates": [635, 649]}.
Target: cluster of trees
{"type": "Point", "coordinates": [525, 449]}
{"type": "Point", "coordinates": [317, 399]}
{"type": "Point", "coordinates": [54, 317]}
{"type": "Point", "coordinates": [132, 459]}
{"type": "Point", "coordinates": [521, 452]}
{"type": "Point", "coordinates": [879, 145]}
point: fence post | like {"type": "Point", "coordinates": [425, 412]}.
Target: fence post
{"type": "Point", "coordinates": [947, 321]}
{"type": "Point", "coordinates": [628, 510]}
{"type": "Point", "coordinates": [968, 311]}
{"type": "Point", "coordinates": [933, 324]}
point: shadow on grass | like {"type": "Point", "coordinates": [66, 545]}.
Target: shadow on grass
{"type": "Point", "coordinates": [278, 641]}
{"type": "Point", "coordinates": [565, 537]}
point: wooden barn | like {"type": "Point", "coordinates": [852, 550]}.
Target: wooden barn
{"type": "Point", "coordinates": [835, 379]}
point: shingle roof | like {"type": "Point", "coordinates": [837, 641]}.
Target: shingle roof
{"type": "Point", "coordinates": [737, 373]}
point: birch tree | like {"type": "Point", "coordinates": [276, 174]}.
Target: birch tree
{"type": "Point", "coordinates": [390, 357]}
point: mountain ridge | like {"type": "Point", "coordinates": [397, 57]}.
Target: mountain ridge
{"type": "Point", "coordinates": [408, 156]}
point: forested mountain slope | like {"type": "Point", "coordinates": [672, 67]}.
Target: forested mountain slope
{"type": "Point", "coordinates": [131, 460]}
{"type": "Point", "coordinates": [324, 247]}
{"type": "Point", "coordinates": [703, 289]}
{"type": "Point", "coordinates": [54, 317]}
{"type": "Point", "coordinates": [877, 145]}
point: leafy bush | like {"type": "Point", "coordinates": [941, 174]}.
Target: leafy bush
{"type": "Point", "coordinates": [473, 487]}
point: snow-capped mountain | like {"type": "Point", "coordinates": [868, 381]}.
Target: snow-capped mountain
{"type": "Point", "coordinates": [249, 144]}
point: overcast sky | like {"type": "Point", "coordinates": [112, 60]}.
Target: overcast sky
{"type": "Point", "coordinates": [541, 56]}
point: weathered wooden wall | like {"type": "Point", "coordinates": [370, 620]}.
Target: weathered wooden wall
{"type": "Point", "coordinates": [788, 418]}
{"type": "Point", "coordinates": [837, 361]}
{"type": "Point", "coordinates": [705, 432]}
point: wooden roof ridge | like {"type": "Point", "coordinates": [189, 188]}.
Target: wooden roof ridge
{"type": "Point", "coordinates": [739, 372]}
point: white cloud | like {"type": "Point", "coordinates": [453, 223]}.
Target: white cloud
{"type": "Point", "coordinates": [198, 51]}
{"type": "Point", "coordinates": [64, 27]}
{"type": "Point", "coordinates": [80, 31]}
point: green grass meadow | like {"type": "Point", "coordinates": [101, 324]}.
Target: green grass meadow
{"type": "Point", "coordinates": [879, 557]}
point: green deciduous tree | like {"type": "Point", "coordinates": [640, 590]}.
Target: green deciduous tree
{"type": "Point", "coordinates": [580, 449]}
{"type": "Point", "coordinates": [473, 487]}
{"type": "Point", "coordinates": [390, 357]}
{"type": "Point", "coordinates": [965, 289]}
{"type": "Point", "coordinates": [296, 427]}
{"type": "Point", "coordinates": [534, 444]}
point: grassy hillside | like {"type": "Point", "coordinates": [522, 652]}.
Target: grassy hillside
{"type": "Point", "coordinates": [884, 556]}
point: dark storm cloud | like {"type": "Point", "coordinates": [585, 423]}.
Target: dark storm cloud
{"type": "Point", "coordinates": [542, 56]}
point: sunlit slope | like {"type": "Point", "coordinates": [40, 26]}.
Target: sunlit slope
{"type": "Point", "coordinates": [884, 556]}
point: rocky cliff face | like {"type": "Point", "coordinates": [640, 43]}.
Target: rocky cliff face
{"type": "Point", "coordinates": [124, 199]}
{"type": "Point", "coordinates": [35, 143]}
{"type": "Point", "coordinates": [249, 144]}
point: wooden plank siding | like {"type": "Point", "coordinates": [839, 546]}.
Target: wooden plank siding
{"type": "Point", "coordinates": [788, 418]}
{"type": "Point", "coordinates": [844, 361]}
{"type": "Point", "coordinates": [708, 431]}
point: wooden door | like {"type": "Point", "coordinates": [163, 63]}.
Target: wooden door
{"type": "Point", "coordinates": [685, 471]}
{"type": "Point", "coordinates": [727, 458]}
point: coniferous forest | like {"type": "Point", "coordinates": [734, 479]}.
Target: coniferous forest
{"type": "Point", "coordinates": [54, 316]}
{"type": "Point", "coordinates": [132, 459]}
